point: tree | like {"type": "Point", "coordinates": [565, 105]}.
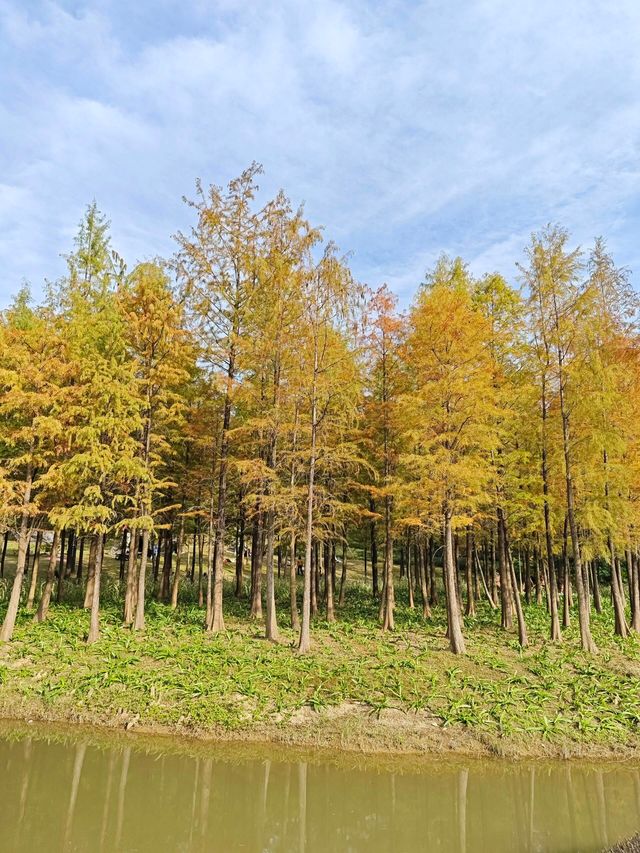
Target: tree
{"type": "Point", "coordinates": [31, 372]}
{"type": "Point", "coordinates": [159, 347]}
{"type": "Point", "coordinates": [325, 355]}
{"type": "Point", "coordinates": [451, 411]}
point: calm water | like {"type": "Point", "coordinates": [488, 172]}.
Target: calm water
{"type": "Point", "coordinates": [78, 796]}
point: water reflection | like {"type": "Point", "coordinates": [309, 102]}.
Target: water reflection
{"type": "Point", "coordinates": [76, 796]}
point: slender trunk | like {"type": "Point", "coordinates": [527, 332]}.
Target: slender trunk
{"type": "Point", "coordinates": [470, 609]}
{"type": "Point", "coordinates": [293, 585]}
{"type": "Point", "coordinates": [635, 606]}
{"type": "Point", "coordinates": [200, 568]}
{"type": "Point", "coordinates": [456, 639]}
{"type": "Point", "coordinates": [63, 540]}
{"type": "Point", "coordinates": [388, 623]}
{"type": "Point", "coordinates": [491, 568]}
{"type": "Point", "coordinates": [555, 633]}
{"type": "Point", "coordinates": [538, 578]}
{"type": "Point", "coordinates": [240, 550]}
{"type": "Point", "coordinates": [410, 575]}
{"type": "Point", "coordinates": [45, 598]}
{"type": "Point", "coordinates": [586, 639]}
{"type": "Point", "coordinates": [329, 585]}
{"type": "Point", "coordinates": [138, 625]}
{"type": "Point", "coordinates": [315, 579]}
{"type": "Point", "coordinates": [217, 622]}
{"type": "Point", "coordinates": [304, 643]}
{"type": "Point", "coordinates": [374, 551]}
{"type": "Point", "coordinates": [192, 574]}
{"type": "Point", "coordinates": [5, 542]}
{"type": "Point", "coordinates": [343, 575]}
{"type": "Point", "coordinates": [566, 579]}
{"type": "Point", "coordinates": [430, 565]}
{"type": "Point", "coordinates": [88, 593]}
{"type": "Point", "coordinates": [94, 627]}
{"type": "Point", "coordinates": [130, 590]}
{"type": "Point", "coordinates": [156, 557]}
{"type": "Point", "coordinates": [256, 564]}
{"type": "Point", "coordinates": [211, 560]}
{"type": "Point", "coordinates": [80, 561]}
{"type": "Point", "coordinates": [164, 589]}
{"type": "Point", "coordinates": [271, 623]}
{"type": "Point", "coordinates": [621, 629]}
{"type": "Point", "coordinates": [35, 568]}
{"type": "Point", "coordinates": [423, 569]}
{"type": "Point", "coordinates": [71, 554]}
{"type": "Point", "coordinates": [522, 627]}
{"type": "Point", "coordinates": [484, 584]}
{"type": "Point", "coordinates": [123, 559]}
{"type": "Point", "coordinates": [506, 602]}
{"type": "Point", "coordinates": [175, 585]}
{"type": "Point", "coordinates": [595, 585]}
{"type": "Point", "coordinates": [23, 540]}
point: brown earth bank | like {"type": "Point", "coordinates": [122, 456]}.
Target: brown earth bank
{"type": "Point", "coordinates": [348, 730]}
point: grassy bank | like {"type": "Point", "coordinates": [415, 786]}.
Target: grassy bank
{"type": "Point", "coordinates": [356, 690]}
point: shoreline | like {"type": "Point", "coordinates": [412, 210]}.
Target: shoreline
{"type": "Point", "coordinates": [339, 735]}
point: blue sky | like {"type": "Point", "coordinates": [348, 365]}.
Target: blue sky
{"type": "Point", "coordinates": [406, 128]}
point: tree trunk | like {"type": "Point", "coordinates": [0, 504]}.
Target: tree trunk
{"type": "Point", "coordinates": [343, 575]}
{"type": "Point", "coordinates": [388, 622]}
{"type": "Point", "coordinates": [293, 585]}
{"type": "Point", "coordinates": [422, 557]}
{"type": "Point", "coordinates": [315, 579]}
{"type": "Point", "coordinates": [522, 627]}
{"type": "Point", "coordinates": [5, 542]}
{"type": "Point", "coordinates": [470, 609]}
{"type": "Point", "coordinates": [271, 624]}
{"type": "Point", "coordinates": [35, 568]}
{"type": "Point", "coordinates": [430, 566]}
{"type": "Point", "coordinates": [506, 602]}
{"type": "Point", "coordinates": [138, 625]}
{"type": "Point", "coordinates": [635, 607]}
{"type": "Point", "coordinates": [410, 575]}
{"type": "Point", "coordinates": [211, 561]}
{"type": "Point", "coordinates": [304, 643]}
{"type": "Point", "coordinates": [217, 622]}
{"type": "Point", "coordinates": [175, 586]}
{"type": "Point", "coordinates": [374, 552]}
{"type": "Point", "coordinates": [45, 598]}
{"type": "Point", "coordinates": [456, 639]}
{"type": "Point", "coordinates": [123, 550]}
{"type": "Point", "coordinates": [130, 590]}
{"type": "Point", "coordinates": [94, 627]}
{"type": "Point", "coordinates": [256, 565]}
{"type": "Point", "coordinates": [164, 589]}
{"type": "Point", "coordinates": [23, 540]}
{"type": "Point", "coordinates": [329, 582]}
{"type": "Point", "coordinates": [88, 593]}
{"type": "Point", "coordinates": [80, 560]}
{"type": "Point", "coordinates": [552, 588]}
{"type": "Point", "coordinates": [240, 551]}
{"type": "Point", "coordinates": [621, 628]}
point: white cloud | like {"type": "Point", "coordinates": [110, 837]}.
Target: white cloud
{"type": "Point", "coordinates": [408, 128]}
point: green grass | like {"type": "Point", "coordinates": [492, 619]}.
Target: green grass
{"type": "Point", "coordinates": [174, 675]}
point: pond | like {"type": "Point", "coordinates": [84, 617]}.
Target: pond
{"type": "Point", "coordinates": [80, 792]}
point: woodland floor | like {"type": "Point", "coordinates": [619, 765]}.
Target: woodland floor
{"type": "Point", "coordinates": [358, 689]}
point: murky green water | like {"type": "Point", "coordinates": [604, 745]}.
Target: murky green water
{"type": "Point", "coordinates": [112, 796]}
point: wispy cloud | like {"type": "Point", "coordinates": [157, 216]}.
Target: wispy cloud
{"type": "Point", "coordinates": [406, 127]}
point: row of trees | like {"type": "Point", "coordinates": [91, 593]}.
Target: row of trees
{"type": "Point", "coordinates": [249, 402]}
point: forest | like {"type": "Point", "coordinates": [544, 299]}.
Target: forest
{"type": "Point", "coordinates": [244, 425]}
